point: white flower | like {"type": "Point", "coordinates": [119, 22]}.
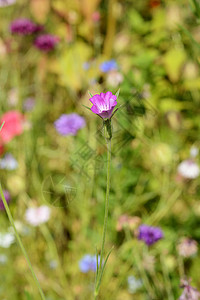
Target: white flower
{"type": "Point", "coordinates": [37, 215]}
{"type": "Point", "coordinates": [188, 169]}
{"type": "Point", "coordinates": [133, 284]}
{"type": "Point", "coordinates": [21, 228]}
{"type": "Point", "coordinates": [194, 151]}
{"type": "Point", "coordinates": [6, 239]}
{"type": "Point", "coordinates": [3, 259]}
{"type": "Point", "coordinates": [8, 162]}
{"type": "Point", "coordinates": [114, 78]}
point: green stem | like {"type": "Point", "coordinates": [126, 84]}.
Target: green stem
{"type": "Point", "coordinates": [105, 218]}
{"type": "Point", "coordinates": [20, 243]}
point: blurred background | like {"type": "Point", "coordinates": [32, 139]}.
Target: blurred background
{"type": "Point", "coordinates": [53, 153]}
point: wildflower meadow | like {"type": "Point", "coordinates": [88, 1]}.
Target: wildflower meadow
{"type": "Point", "coordinates": [99, 150]}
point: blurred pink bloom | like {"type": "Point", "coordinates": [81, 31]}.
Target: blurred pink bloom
{"type": "Point", "coordinates": [103, 104]}
{"type": "Point", "coordinates": [13, 126]}
{"type": "Point", "coordinates": [4, 3]}
{"type": "Point", "coordinates": [189, 293]}
{"type": "Point", "coordinates": [188, 169]}
{"type": "Point", "coordinates": [114, 78]}
{"type": "Point", "coordinates": [125, 221]}
{"type": "Point", "coordinates": [187, 247]}
{"type": "Point", "coordinates": [96, 16]}
{"type": "Point", "coordinates": [37, 215]}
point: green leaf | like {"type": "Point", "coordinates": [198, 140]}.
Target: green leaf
{"type": "Point", "coordinates": [28, 296]}
{"type": "Point", "coordinates": [117, 93]}
{"type": "Point", "coordinates": [90, 94]}
{"type": "Point", "coordinates": [173, 61]}
{"type": "Point", "coordinates": [102, 270]}
{"type": "Point", "coordinates": [2, 125]}
{"type": "Point", "coordinates": [86, 106]}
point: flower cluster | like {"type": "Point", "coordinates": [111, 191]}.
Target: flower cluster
{"type": "Point", "coordinates": [44, 42]}
{"type": "Point", "coordinates": [150, 234]}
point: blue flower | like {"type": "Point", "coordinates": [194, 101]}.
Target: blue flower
{"type": "Point", "coordinates": [134, 284]}
{"type": "Point", "coordinates": [88, 263]}
{"type": "Point", "coordinates": [108, 65]}
{"type": "Point", "coordinates": [8, 162]}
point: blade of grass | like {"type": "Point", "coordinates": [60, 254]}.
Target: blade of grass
{"type": "Point", "coordinates": [20, 243]}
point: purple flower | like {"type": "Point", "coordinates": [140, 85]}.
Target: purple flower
{"type": "Point", "coordinates": [103, 104]}
{"type": "Point", "coordinates": [29, 104]}
{"type": "Point", "coordinates": [24, 27]}
{"type": "Point", "coordinates": [7, 197]}
{"type": "Point", "coordinates": [69, 124]}
{"type": "Point", "coordinates": [189, 293]}
{"type": "Point", "coordinates": [108, 65]}
{"type": "Point", "coordinates": [46, 42]}
{"type": "Point", "coordinates": [88, 263]}
{"type": "Point", "coordinates": [150, 234]}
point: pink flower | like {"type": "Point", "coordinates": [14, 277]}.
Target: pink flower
{"type": "Point", "coordinates": [37, 215]}
{"type": "Point", "coordinates": [103, 104]}
{"type": "Point", "coordinates": [13, 126]}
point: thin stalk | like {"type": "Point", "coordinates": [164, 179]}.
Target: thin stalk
{"type": "Point", "coordinates": [99, 277]}
{"type": "Point", "coordinates": [20, 243]}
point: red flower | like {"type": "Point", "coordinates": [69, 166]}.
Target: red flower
{"type": "Point", "coordinates": [154, 3]}
{"type": "Point", "coordinates": [13, 126]}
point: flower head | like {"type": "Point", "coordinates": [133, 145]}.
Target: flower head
{"type": "Point", "coordinates": [7, 197]}
{"type": "Point", "coordinates": [29, 104]}
{"type": "Point", "coordinates": [46, 42]}
{"type": "Point", "coordinates": [125, 221]}
{"type": "Point", "coordinates": [133, 284]}
{"type": "Point", "coordinates": [8, 162]}
{"type": "Point", "coordinates": [37, 215]}
{"type": "Point", "coordinates": [4, 3]}
{"type": "Point", "coordinates": [114, 78]}
{"type": "Point", "coordinates": [108, 65]}
{"type": "Point", "coordinates": [69, 124]}
{"type": "Point", "coordinates": [24, 27]}
{"type": "Point", "coordinates": [194, 151]}
{"type": "Point", "coordinates": [189, 293]}
{"type": "Point", "coordinates": [188, 169]}
{"type": "Point", "coordinates": [150, 234]}
{"type": "Point", "coordinates": [103, 104]}
{"type": "Point", "coordinates": [187, 247]}
{"type": "Point", "coordinates": [6, 239]}
{"type": "Point", "coordinates": [13, 126]}
{"type": "Point", "coordinates": [88, 263]}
